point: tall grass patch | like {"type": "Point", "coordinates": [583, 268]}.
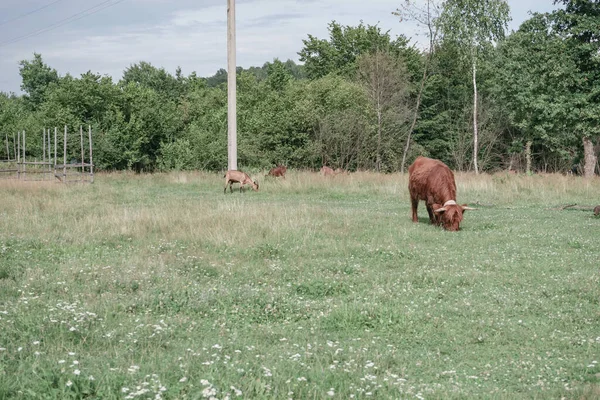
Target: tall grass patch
{"type": "Point", "coordinates": [161, 286]}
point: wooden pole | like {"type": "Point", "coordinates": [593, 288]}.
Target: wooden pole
{"type": "Point", "coordinates": [24, 158]}
{"type": "Point", "coordinates": [14, 146]}
{"type": "Point", "coordinates": [231, 88]}
{"type": "Point", "coordinates": [55, 141]}
{"type": "Point", "coordinates": [81, 139]}
{"type": "Point", "coordinates": [49, 152]}
{"type": "Point", "coordinates": [7, 151]}
{"type": "Point", "coordinates": [65, 157]}
{"type": "Point", "coordinates": [44, 145]}
{"type": "Point", "coordinates": [18, 155]}
{"type": "Point", "coordinates": [91, 161]}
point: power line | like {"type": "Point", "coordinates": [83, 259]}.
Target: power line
{"type": "Point", "coordinates": [77, 16]}
{"type": "Point", "coordinates": [6, 21]}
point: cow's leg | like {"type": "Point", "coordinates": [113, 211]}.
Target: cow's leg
{"type": "Point", "coordinates": [231, 187]}
{"type": "Point", "coordinates": [415, 203]}
{"type": "Point", "coordinates": [432, 218]}
{"type": "Point", "coordinates": [225, 189]}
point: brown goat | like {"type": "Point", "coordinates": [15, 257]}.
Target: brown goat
{"type": "Point", "coordinates": [432, 181]}
{"type": "Point", "coordinates": [233, 176]}
{"type": "Point", "coordinates": [326, 171]}
{"type": "Point", "coordinates": [279, 170]}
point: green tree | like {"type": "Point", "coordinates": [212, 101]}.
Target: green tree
{"type": "Point", "coordinates": [159, 79]}
{"type": "Point", "coordinates": [426, 16]}
{"type": "Point", "coordinates": [579, 26]}
{"type": "Point", "coordinates": [36, 77]}
{"type": "Point", "coordinates": [384, 81]}
{"type": "Point", "coordinates": [534, 77]}
{"type": "Point", "coordinates": [338, 54]}
{"type": "Point", "coordinates": [12, 112]}
{"type": "Point", "coordinates": [473, 25]}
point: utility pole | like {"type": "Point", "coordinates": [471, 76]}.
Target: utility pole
{"type": "Point", "coordinates": [231, 88]}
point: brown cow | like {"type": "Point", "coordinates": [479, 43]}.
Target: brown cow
{"type": "Point", "coordinates": [233, 176]}
{"type": "Point", "coordinates": [326, 171]}
{"type": "Point", "coordinates": [432, 181]}
{"type": "Point", "coordinates": [279, 170]}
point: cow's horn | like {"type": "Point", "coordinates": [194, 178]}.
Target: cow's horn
{"type": "Point", "coordinates": [450, 203]}
{"type": "Point", "coordinates": [468, 208]}
{"type": "Point", "coordinates": [440, 210]}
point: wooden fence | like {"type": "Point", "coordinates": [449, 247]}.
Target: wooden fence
{"type": "Point", "coordinates": [19, 165]}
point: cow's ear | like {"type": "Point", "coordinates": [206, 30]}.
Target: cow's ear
{"type": "Point", "coordinates": [466, 207]}
{"type": "Point", "coordinates": [437, 208]}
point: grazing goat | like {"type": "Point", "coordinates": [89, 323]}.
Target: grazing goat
{"type": "Point", "coordinates": [233, 176]}
{"type": "Point", "coordinates": [326, 171]}
{"type": "Point", "coordinates": [432, 181]}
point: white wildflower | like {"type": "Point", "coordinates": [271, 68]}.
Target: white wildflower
{"type": "Point", "coordinates": [236, 391]}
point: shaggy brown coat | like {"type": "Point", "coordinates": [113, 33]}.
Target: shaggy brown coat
{"type": "Point", "coordinates": [278, 171]}
{"type": "Point", "coordinates": [432, 181]}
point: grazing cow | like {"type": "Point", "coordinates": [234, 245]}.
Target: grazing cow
{"type": "Point", "coordinates": [326, 171]}
{"type": "Point", "coordinates": [432, 181]}
{"type": "Point", "coordinates": [597, 210]}
{"type": "Point", "coordinates": [278, 171]}
{"type": "Point", "coordinates": [233, 176]}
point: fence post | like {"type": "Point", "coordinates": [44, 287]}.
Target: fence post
{"type": "Point", "coordinates": [18, 155]}
{"type": "Point", "coordinates": [49, 153]}
{"type": "Point", "coordinates": [65, 157]}
{"type": "Point", "coordinates": [55, 136]}
{"type": "Point", "coordinates": [81, 139]}
{"type": "Point", "coordinates": [91, 161]}
{"type": "Point", "coordinates": [7, 150]}
{"type": "Point", "coordinates": [24, 158]}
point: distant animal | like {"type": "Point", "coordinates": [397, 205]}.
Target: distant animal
{"type": "Point", "coordinates": [278, 171]}
{"type": "Point", "coordinates": [339, 171]}
{"type": "Point", "coordinates": [597, 210]}
{"type": "Point", "coordinates": [233, 176]}
{"type": "Point", "coordinates": [432, 181]}
{"type": "Point", "coordinates": [326, 171]}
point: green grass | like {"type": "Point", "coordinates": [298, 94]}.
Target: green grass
{"type": "Point", "coordinates": [310, 288]}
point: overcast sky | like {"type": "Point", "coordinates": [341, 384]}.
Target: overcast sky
{"type": "Point", "coordinates": [106, 36]}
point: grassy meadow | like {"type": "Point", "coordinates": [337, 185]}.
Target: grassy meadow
{"type": "Point", "coordinates": [162, 287]}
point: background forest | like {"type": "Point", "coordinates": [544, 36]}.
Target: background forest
{"type": "Point", "coordinates": [476, 98]}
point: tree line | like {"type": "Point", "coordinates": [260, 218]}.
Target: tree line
{"type": "Point", "coordinates": [476, 98]}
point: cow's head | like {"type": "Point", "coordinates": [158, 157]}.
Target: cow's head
{"type": "Point", "coordinates": [450, 214]}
